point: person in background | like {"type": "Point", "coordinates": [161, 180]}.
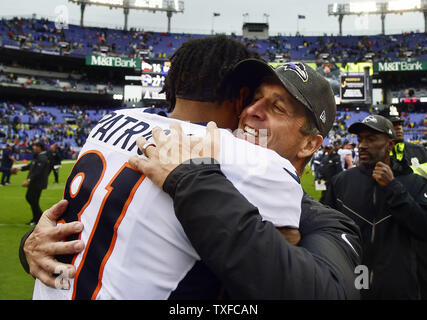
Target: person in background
{"type": "Point", "coordinates": [316, 160]}
{"type": "Point", "coordinates": [330, 166]}
{"type": "Point", "coordinates": [6, 164]}
{"type": "Point", "coordinates": [416, 156]}
{"type": "Point", "coordinates": [55, 160]}
{"type": "Point", "coordinates": [37, 179]}
{"type": "Point", "coordinates": [346, 155]}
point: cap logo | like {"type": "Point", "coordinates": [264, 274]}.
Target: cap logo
{"type": "Point", "coordinates": [298, 68]}
{"type": "Point", "coordinates": [323, 116]}
{"type": "Point", "coordinates": [370, 119]}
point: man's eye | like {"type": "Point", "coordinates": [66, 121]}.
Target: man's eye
{"type": "Point", "coordinates": [279, 108]}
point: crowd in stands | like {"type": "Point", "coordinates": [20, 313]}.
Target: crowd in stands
{"type": "Point", "coordinates": [415, 126]}
{"type": "Point", "coordinates": [66, 126]}
{"type": "Point", "coordinates": [31, 81]}
{"type": "Point", "coordinates": [41, 34]}
{"type": "Point", "coordinates": [69, 126]}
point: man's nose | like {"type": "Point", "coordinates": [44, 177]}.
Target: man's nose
{"type": "Point", "coordinates": [362, 145]}
{"type": "Point", "coordinates": [257, 109]}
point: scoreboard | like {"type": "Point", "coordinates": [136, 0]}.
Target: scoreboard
{"type": "Point", "coordinates": [356, 88]}
{"type": "Point", "coordinates": [353, 87]}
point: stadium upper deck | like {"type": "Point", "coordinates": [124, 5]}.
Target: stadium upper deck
{"type": "Point", "coordinates": [42, 36]}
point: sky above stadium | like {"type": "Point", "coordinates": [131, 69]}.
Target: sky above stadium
{"type": "Point", "coordinates": [282, 16]}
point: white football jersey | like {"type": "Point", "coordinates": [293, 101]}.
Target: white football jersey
{"type": "Point", "coordinates": [343, 153]}
{"type": "Point", "coordinates": [135, 246]}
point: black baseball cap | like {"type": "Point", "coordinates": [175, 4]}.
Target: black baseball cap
{"type": "Point", "coordinates": [374, 122]}
{"type": "Point", "coordinates": [39, 143]}
{"type": "Point", "coordinates": [301, 81]}
{"type": "Point", "coordinates": [396, 119]}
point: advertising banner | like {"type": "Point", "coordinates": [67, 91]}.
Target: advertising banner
{"type": "Point", "coordinates": [400, 66]}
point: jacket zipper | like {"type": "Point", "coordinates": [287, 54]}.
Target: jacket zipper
{"type": "Point", "coordinates": [374, 199]}
{"type": "Point", "coordinates": [374, 221]}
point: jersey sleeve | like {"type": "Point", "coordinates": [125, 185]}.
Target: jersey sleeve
{"type": "Point", "coordinates": [267, 180]}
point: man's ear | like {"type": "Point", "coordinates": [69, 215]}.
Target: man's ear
{"type": "Point", "coordinates": [310, 145]}
{"type": "Point", "coordinates": [243, 99]}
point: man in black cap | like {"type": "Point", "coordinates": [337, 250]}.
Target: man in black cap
{"type": "Point", "coordinates": [39, 169]}
{"type": "Point", "coordinates": [389, 203]}
{"type": "Point", "coordinates": [296, 107]}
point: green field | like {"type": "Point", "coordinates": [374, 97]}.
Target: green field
{"type": "Point", "coordinates": [15, 212]}
{"type": "Point", "coordinates": [15, 284]}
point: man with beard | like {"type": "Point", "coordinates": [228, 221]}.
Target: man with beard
{"type": "Point", "coordinates": [389, 203]}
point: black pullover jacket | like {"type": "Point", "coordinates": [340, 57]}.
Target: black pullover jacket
{"type": "Point", "coordinates": [251, 257]}
{"type": "Point", "coordinates": [389, 218]}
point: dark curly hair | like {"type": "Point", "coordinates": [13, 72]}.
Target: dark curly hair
{"type": "Point", "coordinates": [200, 69]}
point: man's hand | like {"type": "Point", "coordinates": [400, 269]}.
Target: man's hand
{"type": "Point", "coordinates": [382, 174]}
{"type": "Point", "coordinates": [15, 170]}
{"type": "Point", "coordinates": [172, 150]}
{"type": "Point", "coordinates": [291, 235]}
{"type": "Point", "coordinates": [46, 241]}
{"type": "Point", "coordinates": [26, 183]}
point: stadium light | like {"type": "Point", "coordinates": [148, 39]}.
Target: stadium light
{"type": "Point", "coordinates": [152, 5]}
{"type": "Point", "coordinates": [399, 5]}
{"type": "Point", "coordinates": [381, 8]}
{"type": "Point", "coordinates": [168, 6]}
{"type": "Point", "coordinates": [363, 7]}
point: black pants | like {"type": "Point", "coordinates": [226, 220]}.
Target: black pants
{"type": "Point", "coordinates": [5, 177]}
{"type": "Point", "coordinates": [33, 197]}
{"type": "Point", "coordinates": [55, 173]}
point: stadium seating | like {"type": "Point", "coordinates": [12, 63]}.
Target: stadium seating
{"type": "Point", "coordinates": [40, 35]}
{"type": "Point", "coordinates": [68, 125]}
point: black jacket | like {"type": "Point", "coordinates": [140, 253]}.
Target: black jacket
{"type": "Point", "coordinates": [414, 153]}
{"type": "Point", "coordinates": [39, 171]}
{"type": "Point", "coordinates": [250, 256]}
{"type": "Point", "coordinates": [54, 158]}
{"type": "Point", "coordinates": [389, 219]}
{"type": "Point", "coordinates": [330, 166]}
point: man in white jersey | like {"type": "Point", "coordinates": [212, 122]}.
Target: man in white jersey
{"type": "Point", "coordinates": [346, 155]}
{"type": "Point", "coordinates": [117, 206]}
